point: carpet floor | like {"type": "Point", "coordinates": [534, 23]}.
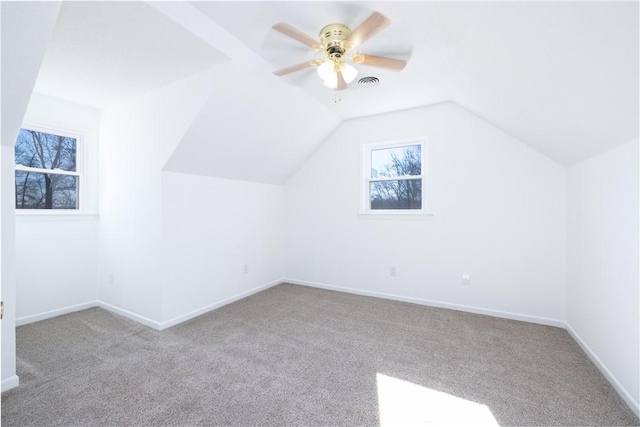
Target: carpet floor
{"type": "Point", "coordinates": [293, 355]}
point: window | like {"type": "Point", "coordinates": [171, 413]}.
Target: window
{"type": "Point", "coordinates": [393, 178]}
{"type": "Point", "coordinates": [48, 170]}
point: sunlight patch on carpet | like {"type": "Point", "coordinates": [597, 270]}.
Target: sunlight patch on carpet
{"type": "Point", "coordinates": [404, 403]}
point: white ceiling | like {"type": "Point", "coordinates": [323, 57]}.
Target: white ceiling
{"type": "Point", "coordinates": [560, 76]}
{"type": "Point", "coordinates": [413, 26]}
{"type": "Point", "coordinates": [103, 52]}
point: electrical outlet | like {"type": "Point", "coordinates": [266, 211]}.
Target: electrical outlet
{"type": "Point", "coordinates": [245, 268]}
{"type": "Point", "coordinates": [392, 271]}
{"type": "Point", "coordinates": [111, 279]}
{"type": "Point", "coordinates": [466, 279]}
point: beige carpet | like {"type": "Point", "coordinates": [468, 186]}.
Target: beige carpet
{"type": "Point", "coordinates": [300, 356]}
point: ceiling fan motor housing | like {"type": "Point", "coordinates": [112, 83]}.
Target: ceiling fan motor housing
{"type": "Point", "coordinates": [332, 38]}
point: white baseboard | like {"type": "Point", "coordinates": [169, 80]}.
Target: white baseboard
{"type": "Point", "coordinates": [622, 391]}
{"type": "Point", "coordinates": [141, 319]}
{"type": "Point", "coordinates": [207, 308]}
{"type": "Point", "coordinates": [130, 315]}
{"type": "Point", "coordinates": [187, 316]}
{"type": "Point", "coordinates": [9, 383]}
{"type": "Point", "coordinates": [53, 313]}
{"type": "Point", "coordinates": [430, 303]}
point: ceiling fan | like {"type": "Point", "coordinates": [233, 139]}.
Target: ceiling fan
{"type": "Point", "coordinates": [338, 44]}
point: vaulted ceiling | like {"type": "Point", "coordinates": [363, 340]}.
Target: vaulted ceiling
{"type": "Point", "coordinates": [562, 77]}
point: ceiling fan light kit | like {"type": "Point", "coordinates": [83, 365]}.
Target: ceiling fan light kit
{"type": "Point", "coordinates": [328, 72]}
{"type": "Point", "coordinates": [336, 42]}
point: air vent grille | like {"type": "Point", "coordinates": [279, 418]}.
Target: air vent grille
{"type": "Point", "coordinates": [368, 81]}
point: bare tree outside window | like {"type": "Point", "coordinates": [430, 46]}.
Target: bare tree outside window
{"type": "Point", "coordinates": [46, 171]}
{"type": "Point", "coordinates": [396, 178]}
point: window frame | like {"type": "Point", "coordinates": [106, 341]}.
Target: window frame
{"type": "Point", "coordinates": [80, 172]}
{"type": "Point", "coordinates": [366, 179]}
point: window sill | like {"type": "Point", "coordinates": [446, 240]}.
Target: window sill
{"type": "Point", "coordinates": [33, 216]}
{"type": "Point", "coordinates": [420, 216]}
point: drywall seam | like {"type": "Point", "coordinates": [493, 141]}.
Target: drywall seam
{"type": "Point", "coordinates": [430, 303]}
{"type": "Point", "coordinates": [54, 313]}
{"type": "Point", "coordinates": [622, 391]}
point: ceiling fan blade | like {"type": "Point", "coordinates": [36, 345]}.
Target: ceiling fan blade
{"type": "Point", "coordinates": [342, 84]}
{"type": "Point", "coordinates": [296, 34]}
{"type": "Point", "coordinates": [371, 26]}
{"type": "Point", "coordinates": [379, 61]}
{"type": "Point", "coordinates": [294, 68]}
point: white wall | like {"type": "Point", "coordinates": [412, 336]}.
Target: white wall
{"type": "Point", "coordinates": [8, 268]}
{"type": "Point", "coordinates": [25, 29]}
{"type": "Point", "coordinates": [171, 244]}
{"type": "Point", "coordinates": [57, 255]}
{"type": "Point", "coordinates": [56, 265]}
{"type": "Point", "coordinates": [499, 215]}
{"type": "Point", "coordinates": [137, 137]}
{"type": "Point", "coordinates": [602, 289]}
{"type": "Point", "coordinates": [211, 228]}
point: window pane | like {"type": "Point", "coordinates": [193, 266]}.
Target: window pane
{"type": "Point", "coordinates": [400, 194]}
{"type": "Point", "coordinates": [45, 150]}
{"type": "Point", "coordinates": [400, 161]}
{"type": "Point", "coordinates": [46, 191]}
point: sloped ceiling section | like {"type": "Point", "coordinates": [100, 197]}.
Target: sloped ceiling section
{"type": "Point", "coordinates": [560, 76]}
{"type": "Point", "coordinates": [26, 28]}
{"type": "Point", "coordinates": [252, 130]}
{"type": "Point", "coordinates": [254, 127]}
{"type": "Point", "coordinates": [104, 51]}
